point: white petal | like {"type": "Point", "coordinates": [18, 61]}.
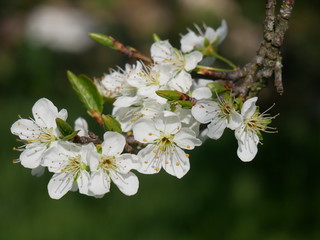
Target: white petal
{"type": "Point", "coordinates": [57, 156]}
{"type": "Point", "coordinates": [113, 143]}
{"type": "Point", "coordinates": [202, 93]}
{"type": "Point", "coordinates": [177, 163]}
{"type": "Point", "coordinates": [31, 157]}
{"type": "Point", "coordinates": [210, 34]}
{"type": "Point", "coordinates": [222, 31]}
{"type": "Point", "coordinates": [190, 41]}
{"type": "Point", "coordinates": [216, 127]}
{"type": "Point", "coordinates": [63, 114]}
{"type": "Point", "coordinates": [26, 129]}
{"type": "Point", "coordinates": [204, 111]}
{"type": "Point", "coordinates": [99, 183]}
{"type": "Point", "coordinates": [186, 138]}
{"type": "Point", "coordinates": [192, 59]}
{"type": "Point", "coordinates": [125, 101]}
{"type": "Point", "coordinates": [127, 183]}
{"type": "Point", "coordinates": [83, 182]}
{"type": "Point", "coordinates": [235, 120]}
{"type": "Point", "coordinates": [181, 82]}
{"type": "Point", "coordinates": [82, 125]}
{"type": "Point", "coordinates": [59, 185]}
{"type": "Point", "coordinates": [150, 161]}
{"type": "Point", "coordinates": [161, 51]}
{"type": "Point", "coordinates": [45, 113]}
{"type": "Point", "coordinates": [144, 131]}
{"type": "Point", "coordinates": [38, 171]}
{"type": "Point", "coordinates": [126, 162]}
{"type": "Point", "coordinates": [168, 123]}
{"type": "Point", "coordinates": [247, 149]}
{"type": "Point", "coordinates": [249, 107]}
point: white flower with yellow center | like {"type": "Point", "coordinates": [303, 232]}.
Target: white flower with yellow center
{"type": "Point", "coordinates": [148, 80]}
{"type": "Point", "coordinates": [249, 132]}
{"type": "Point", "coordinates": [110, 165]}
{"type": "Point", "coordinates": [39, 133]}
{"type": "Point", "coordinates": [209, 36]}
{"type": "Point", "coordinates": [69, 162]}
{"type": "Point", "coordinates": [219, 115]}
{"type": "Point", "coordinates": [166, 139]}
{"type": "Point", "coordinates": [176, 63]}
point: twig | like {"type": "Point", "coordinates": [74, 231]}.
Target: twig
{"type": "Point", "coordinates": [251, 78]}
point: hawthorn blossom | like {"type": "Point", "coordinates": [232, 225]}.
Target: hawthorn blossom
{"type": "Point", "coordinates": [249, 132]}
{"type": "Point", "coordinates": [219, 115]}
{"type": "Point", "coordinates": [176, 63]}
{"type": "Point", "coordinates": [165, 139]}
{"type": "Point", "coordinates": [69, 162]}
{"type": "Point", "coordinates": [192, 41]}
{"type": "Point", "coordinates": [38, 134]}
{"type": "Point", "coordinates": [110, 165]}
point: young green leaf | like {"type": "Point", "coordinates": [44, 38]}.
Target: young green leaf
{"type": "Point", "coordinates": [156, 38]}
{"type": "Point", "coordinates": [70, 136]}
{"type": "Point", "coordinates": [104, 40]}
{"type": "Point", "coordinates": [216, 88]}
{"type": "Point", "coordinates": [87, 92]}
{"type": "Point", "coordinates": [64, 127]}
{"type": "Point", "coordinates": [185, 104]}
{"type": "Point", "coordinates": [111, 124]}
{"type": "Point", "coordinates": [168, 94]}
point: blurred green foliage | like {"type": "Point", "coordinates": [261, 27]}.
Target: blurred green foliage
{"type": "Point", "coordinates": [274, 197]}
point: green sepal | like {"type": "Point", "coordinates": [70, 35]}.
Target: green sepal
{"type": "Point", "coordinates": [87, 91]}
{"type": "Point", "coordinates": [111, 124]}
{"type": "Point", "coordinates": [104, 40]}
{"type": "Point", "coordinates": [156, 38]}
{"type": "Point", "coordinates": [64, 127]}
{"type": "Point", "coordinates": [70, 136]}
{"type": "Point", "coordinates": [238, 102]}
{"type": "Point", "coordinates": [206, 42]}
{"type": "Point", "coordinates": [185, 104]}
{"type": "Point", "coordinates": [169, 95]}
{"type": "Point", "coordinates": [99, 148]}
{"type": "Point", "coordinates": [216, 88]}
{"type": "Point", "coordinates": [173, 107]}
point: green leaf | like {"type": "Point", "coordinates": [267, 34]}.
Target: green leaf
{"type": "Point", "coordinates": [111, 124]}
{"type": "Point", "coordinates": [87, 92]}
{"type": "Point", "coordinates": [104, 40]}
{"type": "Point", "coordinates": [185, 104]}
{"type": "Point", "coordinates": [168, 94]}
{"type": "Point", "coordinates": [64, 127]}
{"type": "Point", "coordinates": [216, 88]}
{"type": "Point", "coordinates": [156, 38]}
{"type": "Point", "coordinates": [70, 136]}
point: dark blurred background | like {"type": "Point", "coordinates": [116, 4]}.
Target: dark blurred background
{"type": "Point", "coordinates": [274, 197]}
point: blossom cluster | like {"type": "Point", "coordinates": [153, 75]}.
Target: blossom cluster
{"type": "Point", "coordinates": [160, 104]}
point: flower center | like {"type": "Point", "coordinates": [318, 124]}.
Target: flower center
{"type": "Point", "coordinates": [107, 163]}
{"type": "Point", "coordinates": [226, 109]}
{"type": "Point", "coordinates": [74, 166]}
{"type": "Point", "coordinates": [165, 143]}
{"type": "Point", "coordinates": [259, 123]}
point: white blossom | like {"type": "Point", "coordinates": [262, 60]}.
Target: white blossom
{"type": "Point", "coordinates": [110, 165]}
{"type": "Point", "coordinates": [69, 162]}
{"type": "Point", "coordinates": [219, 115]}
{"type": "Point", "coordinates": [39, 133]}
{"type": "Point", "coordinates": [115, 84]}
{"type": "Point", "coordinates": [249, 131]}
{"type": "Point", "coordinates": [192, 41]}
{"type": "Point", "coordinates": [176, 63]}
{"type": "Point", "coordinates": [165, 139]}
{"type": "Point", "coordinates": [141, 108]}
